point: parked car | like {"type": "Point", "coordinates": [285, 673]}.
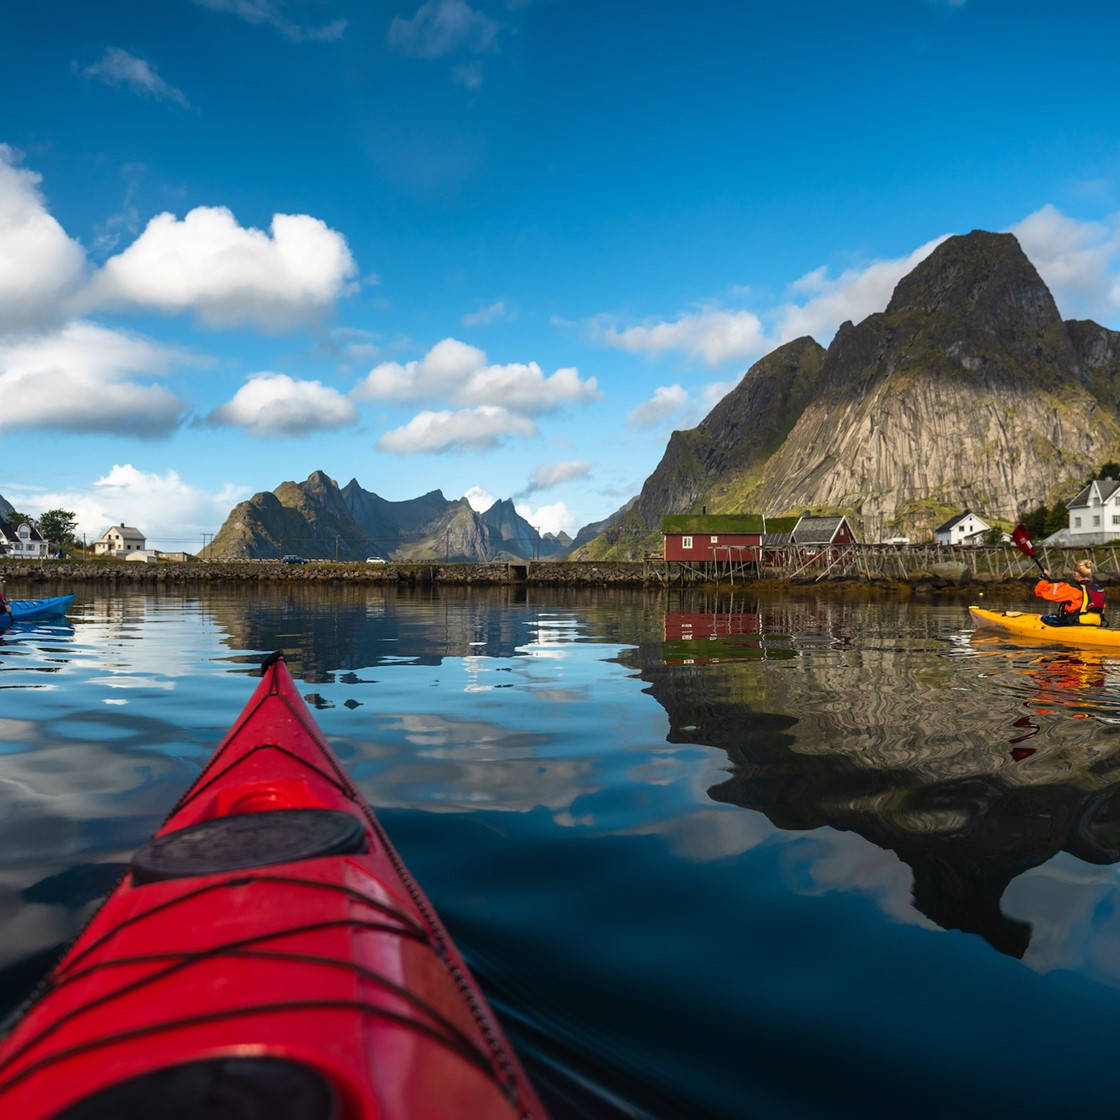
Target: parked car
{"type": "Point", "coordinates": [375, 559]}
{"type": "Point", "coordinates": [292, 559]}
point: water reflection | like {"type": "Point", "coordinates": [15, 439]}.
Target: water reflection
{"type": "Point", "coordinates": [885, 742]}
{"type": "Point", "coordinates": [569, 777]}
{"type": "Point", "coordinates": [695, 636]}
{"type": "Point", "coordinates": [323, 629]}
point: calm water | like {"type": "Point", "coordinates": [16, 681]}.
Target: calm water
{"type": "Point", "coordinates": [707, 857]}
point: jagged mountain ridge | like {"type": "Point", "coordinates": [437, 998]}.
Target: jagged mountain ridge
{"type": "Point", "coordinates": [318, 520]}
{"type": "Point", "coordinates": [967, 390]}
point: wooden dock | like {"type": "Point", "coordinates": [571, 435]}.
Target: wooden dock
{"type": "Point", "coordinates": [906, 563]}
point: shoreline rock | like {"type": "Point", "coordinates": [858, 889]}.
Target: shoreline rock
{"type": "Point", "coordinates": [533, 572]}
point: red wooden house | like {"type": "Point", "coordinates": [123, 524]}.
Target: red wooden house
{"type": "Point", "coordinates": [718, 539]}
{"type": "Point", "coordinates": [812, 540]}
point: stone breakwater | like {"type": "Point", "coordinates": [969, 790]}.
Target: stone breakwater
{"type": "Point", "coordinates": [57, 572]}
{"type": "Point", "coordinates": [61, 573]}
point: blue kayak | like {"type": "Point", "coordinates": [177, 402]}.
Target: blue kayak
{"type": "Point", "coordinates": [26, 610]}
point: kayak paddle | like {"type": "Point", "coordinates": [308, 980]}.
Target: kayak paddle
{"type": "Point", "coordinates": [1022, 541]}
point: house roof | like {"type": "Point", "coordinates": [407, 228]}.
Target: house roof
{"type": "Point", "coordinates": [775, 540]}
{"type": "Point", "coordinates": [124, 530]}
{"type": "Point", "coordinates": [717, 523]}
{"type": "Point", "coordinates": [11, 530]}
{"type": "Point", "coordinates": [1106, 487]}
{"type": "Point", "coordinates": [816, 530]}
{"type": "Point", "coordinates": [956, 520]}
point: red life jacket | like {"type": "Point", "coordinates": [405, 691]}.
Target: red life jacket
{"type": "Point", "coordinates": [1091, 611]}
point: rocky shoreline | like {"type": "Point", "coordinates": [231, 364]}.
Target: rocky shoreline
{"type": "Point", "coordinates": [949, 579]}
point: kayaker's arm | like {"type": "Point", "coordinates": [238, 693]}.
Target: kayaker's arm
{"type": "Point", "coordinates": [1056, 592]}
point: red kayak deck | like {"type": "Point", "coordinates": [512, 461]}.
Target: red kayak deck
{"type": "Point", "coordinates": [268, 954]}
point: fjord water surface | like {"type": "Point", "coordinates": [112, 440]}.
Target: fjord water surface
{"type": "Point", "coordinates": [708, 856]}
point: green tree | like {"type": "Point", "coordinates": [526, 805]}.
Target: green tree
{"type": "Point", "coordinates": [993, 536]}
{"type": "Point", "coordinates": [1057, 518]}
{"type": "Point", "coordinates": [57, 526]}
{"type": "Point", "coordinates": [17, 519]}
{"type": "Point", "coordinates": [1111, 469]}
{"type": "Point", "coordinates": [1035, 521]}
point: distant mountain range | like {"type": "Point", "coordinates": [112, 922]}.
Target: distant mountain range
{"type": "Point", "coordinates": [968, 390]}
{"type": "Point", "coordinates": [318, 520]}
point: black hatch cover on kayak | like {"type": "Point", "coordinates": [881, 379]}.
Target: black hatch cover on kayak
{"type": "Point", "coordinates": [215, 1089]}
{"type": "Point", "coordinates": [245, 840]}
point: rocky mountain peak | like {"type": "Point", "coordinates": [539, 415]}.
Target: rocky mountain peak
{"type": "Point", "coordinates": [978, 275]}
{"type": "Point", "coordinates": [316, 519]}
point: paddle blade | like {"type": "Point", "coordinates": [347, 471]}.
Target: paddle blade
{"type": "Point", "coordinates": [1022, 540]}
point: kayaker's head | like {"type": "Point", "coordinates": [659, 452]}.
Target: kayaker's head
{"type": "Point", "coordinates": [1083, 569]}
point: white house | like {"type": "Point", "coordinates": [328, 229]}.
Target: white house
{"type": "Point", "coordinates": [965, 528]}
{"type": "Point", "coordinates": [119, 540]}
{"type": "Point", "coordinates": [1094, 515]}
{"type": "Point", "coordinates": [23, 540]}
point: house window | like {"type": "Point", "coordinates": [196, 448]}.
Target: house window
{"type": "Point", "coordinates": [686, 542]}
{"type": "Point", "coordinates": [1077, 522]}
{"type": "Point", "coordinates": [1116, 519]}
{"type": "Point", "coordinates": [1096, 519]}
{"type": "Point", "coordinates": [713, 540]}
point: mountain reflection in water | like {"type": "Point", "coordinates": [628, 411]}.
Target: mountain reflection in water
{"type": "Point", "coordinates": [895, 763]}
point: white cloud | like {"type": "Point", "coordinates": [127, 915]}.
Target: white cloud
{"type": "Point", "coordinates": [555, 518]}
{"type": "Point", "coordinates": [854, 294]}
{"type": "Point", "coordinates": [274, 406]}
{"type": "Point", "coordinates": [228, 274]}
{"type": "Point", "coordinates": [484, 316]}
{"type": "Point", "coordinates": [1079, 261]}
{"type": "Point", "coordinates": [446, 366]}
{"type": "Point", "coordinates": [442, 27]}
{"type": "Point", "coordinates": [548, 475]}
{"type": "Point", "coordinates": [78, 380]}
{"type": "Point", "coordinates": [119, 68]}
{"type": "Point", "coordinates": [466, 429]}
{"type": "Point", "coordinates": [525, 387]}
{"type": "Point", "coordinates": [170, 513]}
{"type": "Point", "coordinates": [271, 13]}
{"type": "Point", "coordinates": [713, 335]}
{"type": "Point", "coordinates": [40, 267]}
{"type": "Point", "coordinates": [454, 369]}
{"type": "Point", "coordinates": [480, 500]}
{"type": "Point", "coordinates": [666, 400]}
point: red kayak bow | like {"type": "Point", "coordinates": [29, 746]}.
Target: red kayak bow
{"type": "Point", "coordinates": [267, 955]}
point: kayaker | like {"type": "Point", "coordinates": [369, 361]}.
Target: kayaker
{"type": "Point", "coordinates": [1081, 603]}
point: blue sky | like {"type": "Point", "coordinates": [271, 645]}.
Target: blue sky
{"type": "Point", "coordinates": [500, 248]}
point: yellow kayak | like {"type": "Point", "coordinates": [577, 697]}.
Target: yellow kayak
{"type": "Point", "coordinates": [1023, 625]}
